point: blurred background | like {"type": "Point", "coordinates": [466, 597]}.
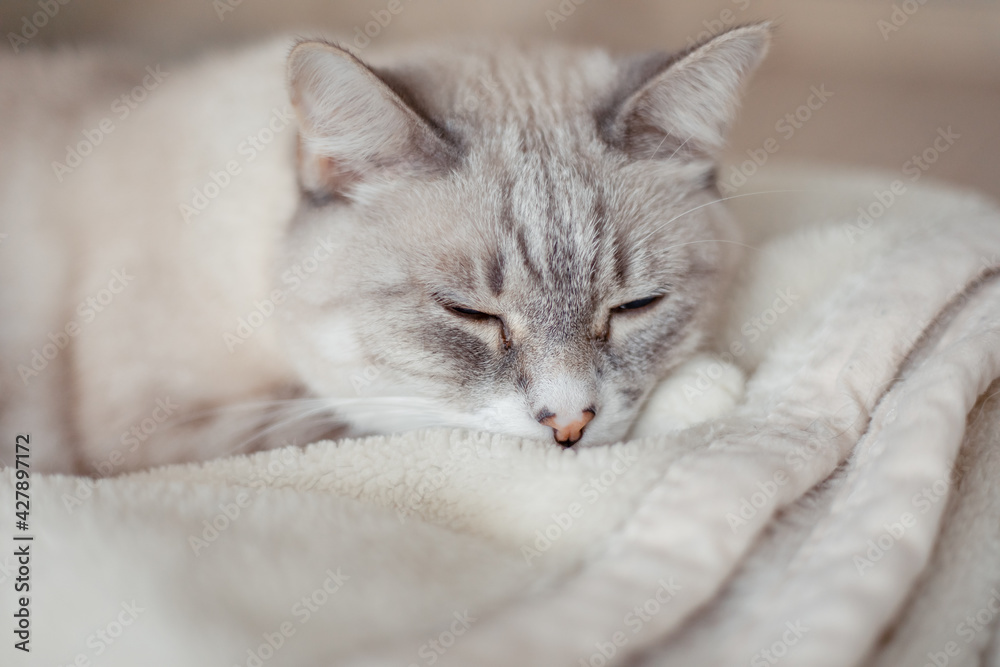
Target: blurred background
{"type": "Point", "coordinates": [862, 82]}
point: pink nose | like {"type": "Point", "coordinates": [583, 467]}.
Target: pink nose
{"type": "Point", "coordinates": [566, 434]}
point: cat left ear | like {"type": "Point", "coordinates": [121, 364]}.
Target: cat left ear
{"type": "Point", "coordinates": [685, 106]}
{"type": "Point", "coordinates": [353, 125]}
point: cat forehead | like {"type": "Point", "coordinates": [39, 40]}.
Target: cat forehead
{"type": "Point", "coordinates": [499, 83]}
{"type": "Point", "coordinates": [540, 231]}
{"type": "Point", "coordinates": [533, 216]}
{"type": "Point", "coordinates": [528, 118]}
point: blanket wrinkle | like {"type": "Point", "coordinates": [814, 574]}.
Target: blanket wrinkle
{"type": "Point", "coordinates": [860, 502]}
{"type": "Point", "coordinates": [794, 586]}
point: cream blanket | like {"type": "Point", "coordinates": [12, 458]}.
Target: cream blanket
{"type": "Point", "coordinates": [847, 512]}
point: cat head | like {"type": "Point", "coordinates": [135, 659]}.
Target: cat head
{"type": "Point", "coordinates": [520, 239]}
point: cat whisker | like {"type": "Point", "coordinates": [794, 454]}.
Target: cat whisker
{"type": "Point", "coordinates": [240, 407]}
{"type": "Point", "coordinates": [714, 201]}
{"type": "Point", "coordinates": [679, 245]}
{"type": "Point", "coordinates": [303, 414]}
{"type": "Point", "coordinates": [418, 413]}
{"type": "Point", "coordinates": [676, 150]}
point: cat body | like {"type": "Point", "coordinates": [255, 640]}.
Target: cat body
{"type": "Point", "coordinates": [187, 282]}
{"type": "Point", "coordinates": [261, 248]}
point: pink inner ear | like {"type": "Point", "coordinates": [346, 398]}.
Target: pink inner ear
{"type": "Point", "coordinates": [322, 174]}
{"type": "Point", "coordinates": [353, 124]}
{"type": "Point", "coordinates": [686, 107]}
{"type": "Point", "coordinates": [645, 140]}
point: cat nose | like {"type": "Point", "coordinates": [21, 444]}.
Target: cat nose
{"type": "Point", "coordinates": [567, 431]}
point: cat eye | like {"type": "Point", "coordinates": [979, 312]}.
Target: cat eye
{"type": "Point", "coordinates": [638, 304]}
{"type": "Point", "coordinates": [470, 313]}
{"type": "Point", "coordinates": [479, 316]}
{"type": "Point", "coordinates": [457, 308]}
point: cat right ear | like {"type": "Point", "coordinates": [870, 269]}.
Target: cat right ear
{"type": "Point", "coordinates": [353, 126]}
{"type": "Point", "coordinates": [684, 105]}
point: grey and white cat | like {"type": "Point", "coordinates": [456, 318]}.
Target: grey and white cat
{"type": "Point", "coordinates": [513, 238]}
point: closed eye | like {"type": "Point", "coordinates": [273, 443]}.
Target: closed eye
{"type": "Point", "coordinates": [638, 304]}
{"type": "Point", "coordinates": [480, 316]}
{"type": "Point", "coordinates": [469, 313]}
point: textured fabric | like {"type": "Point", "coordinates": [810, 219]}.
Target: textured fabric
{"type": "Point", "coordinates": [847, 512]}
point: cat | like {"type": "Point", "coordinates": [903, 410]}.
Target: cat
{"type": "Point", "coordinates": [272, 246]}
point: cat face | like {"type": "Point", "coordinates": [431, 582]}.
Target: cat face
{"type": "Point", "coordinates": [532, 262]}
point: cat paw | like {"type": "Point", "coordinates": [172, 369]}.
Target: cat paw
{"type": "Point", "coordinates": [702, 388]}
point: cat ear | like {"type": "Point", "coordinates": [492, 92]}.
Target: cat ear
{"type": "Point", "coordinates": [353, 125]}
{"type": "Point", "coordinates": [685, 105]}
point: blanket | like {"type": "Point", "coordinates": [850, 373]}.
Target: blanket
{"type": "Point", "coordinates": [846, 511]}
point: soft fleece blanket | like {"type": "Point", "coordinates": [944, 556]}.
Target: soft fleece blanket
{"type": "Point", "coordinates": [846, 512]}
